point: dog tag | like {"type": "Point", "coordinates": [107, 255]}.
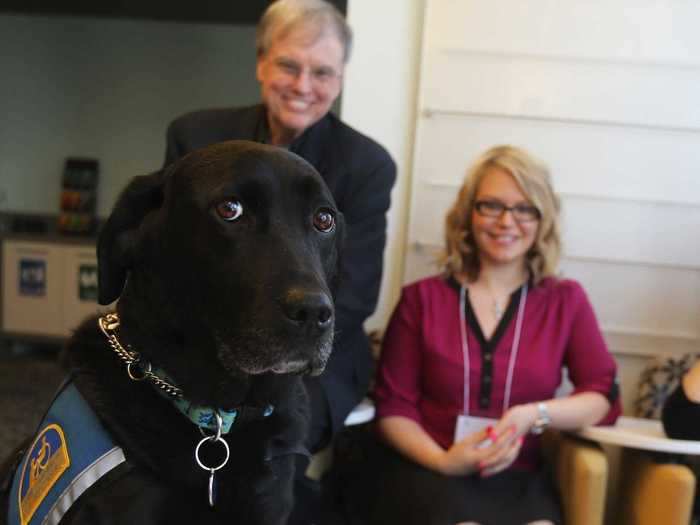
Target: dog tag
{"type": "Point", "coordinates": [212, 470]}
{"type": "Point", "coordinates": [212, 488]}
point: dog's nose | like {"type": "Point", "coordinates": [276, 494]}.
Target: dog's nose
{"type": "Point", "coordinates": [310, 310]}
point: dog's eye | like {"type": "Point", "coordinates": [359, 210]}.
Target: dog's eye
{"type": "Point", "coordinates": [324, 220]}
{"type": "Point", "coordinates": [230, 209]}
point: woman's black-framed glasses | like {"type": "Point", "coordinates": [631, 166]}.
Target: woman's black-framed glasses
{"type": "Point", "coordinates": [495, 209]}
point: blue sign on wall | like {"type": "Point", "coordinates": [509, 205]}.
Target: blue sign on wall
{"type": "Point", "coordinates": [32, 277]}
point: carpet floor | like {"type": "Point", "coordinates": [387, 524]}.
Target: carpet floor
{"type": "Point", "coordinates": [28, 381]}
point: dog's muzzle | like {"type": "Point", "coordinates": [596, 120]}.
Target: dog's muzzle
{"type": "Point", "coordinates": [309, 312]}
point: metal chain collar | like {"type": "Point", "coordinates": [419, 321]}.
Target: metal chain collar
{"type": "Point", "coordinates": [139, 369]}
{"type": "Point", "coordinates": [136, 368]}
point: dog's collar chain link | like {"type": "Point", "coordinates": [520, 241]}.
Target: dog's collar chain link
{"type": "Point", "coordinates": [136, 368]}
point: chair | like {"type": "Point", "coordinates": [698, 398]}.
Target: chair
{"type": "Point", "coordinates": [655, 488]}
{"type": "Point", "coordinates": [580, 471]}
{"type": "Point", "coordinates": [652, 493]}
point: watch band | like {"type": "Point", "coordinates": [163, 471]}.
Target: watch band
{"type": "Point", "coordinates": [542, 420]}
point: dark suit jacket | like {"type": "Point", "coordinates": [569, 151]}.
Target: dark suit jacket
{"type": "Point", "coordinates": [360, 174]}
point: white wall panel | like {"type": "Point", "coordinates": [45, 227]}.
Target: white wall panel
{"type": "Point", "coordinates": [655, 234]}
{"type": "Point", "coordinates": [596, 160]}
{"type": "Point", "coordinates": [623, 30]}
{"type": "Point", "coordinates": [640, 299]}
{"type": "Point", "coordinates": [430, 204]}
{"type": "Point", "coordinates": [420, 261]}
{"type": "Point", "coordinates": [533, 86]}
{"type": "Point", "coordinates": [607, 61]}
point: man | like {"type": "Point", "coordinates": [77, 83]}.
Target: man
{"type": "Point", "coordinates": [302, 48]}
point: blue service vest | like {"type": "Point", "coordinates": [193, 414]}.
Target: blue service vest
{"type": "Point", "coordinates": [71, 451]}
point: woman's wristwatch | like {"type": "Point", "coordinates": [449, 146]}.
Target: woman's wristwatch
{"type": "Point", "coordinates": [542, 420]}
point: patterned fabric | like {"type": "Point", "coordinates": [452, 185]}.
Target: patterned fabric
{"type": "Point", "coordinates": [204, 416]}
{"type": "Point", "coordinates": [658, 381]}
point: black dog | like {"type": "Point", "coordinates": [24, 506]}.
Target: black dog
{"type": "Point", "coordinates": [223, 265]}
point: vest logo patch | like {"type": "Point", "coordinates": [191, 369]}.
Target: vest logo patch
{"type": "Point", "coordinates": [44, 464]}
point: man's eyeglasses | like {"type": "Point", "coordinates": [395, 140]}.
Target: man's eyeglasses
{"type": "Point", "coordinates": [495, 209]}
{"type": "Point", "coordinates": [320, 75]}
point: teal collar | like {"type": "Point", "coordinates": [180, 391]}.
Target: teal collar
{"type": "Point", "coordinates": [205, 416]}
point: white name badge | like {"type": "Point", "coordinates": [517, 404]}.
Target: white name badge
{"type": "Point", "coordinates": [466, 425]}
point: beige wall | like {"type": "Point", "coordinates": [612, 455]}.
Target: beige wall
{"type": "Point", "coordinates": [106, 88]}
{"type": "Point", "coordinates": [379, 99]}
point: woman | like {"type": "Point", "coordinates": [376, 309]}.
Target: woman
{"type": "Point", "coordinates": [488, 339]}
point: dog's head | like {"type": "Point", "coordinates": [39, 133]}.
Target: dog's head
{"type": "Point", "coordinates": [224, 262]}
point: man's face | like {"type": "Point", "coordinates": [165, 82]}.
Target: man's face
{"type": "Point", "coordinates": [300, 77]}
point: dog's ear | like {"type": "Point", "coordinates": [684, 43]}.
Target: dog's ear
{"type": "Point", "coordinates": [119, 235]}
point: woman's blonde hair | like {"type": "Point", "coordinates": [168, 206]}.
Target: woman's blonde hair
{"type": "Point", "coordinates": [533, 178]}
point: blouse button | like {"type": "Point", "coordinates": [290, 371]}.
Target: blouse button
{"type": "Point", "coordinates": [487, 357]}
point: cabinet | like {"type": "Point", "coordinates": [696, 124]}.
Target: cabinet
{"type": "Point", "coordinates": [48, 287]}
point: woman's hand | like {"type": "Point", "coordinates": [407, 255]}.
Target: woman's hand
{"type": "Point", "coordinates": [480, 451]}
{"type": "Point", "coordinates": [463, 456]}
{"type": "Point", "coordinates": [518, 420]}
{"type": "Point", "coordinates": [500, 462]}
{"type": "Point", "coordinates": [507, 437]}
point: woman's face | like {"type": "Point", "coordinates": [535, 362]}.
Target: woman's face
{"type": "Point", "coordinates": [300, 77]}
{"type": "Point", "coordinates": [502, 237]}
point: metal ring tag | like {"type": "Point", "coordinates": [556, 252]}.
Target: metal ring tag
{"type": "Point", "coordinates": [214, 439]}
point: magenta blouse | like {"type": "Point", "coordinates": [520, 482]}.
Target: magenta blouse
{"type": "Point", "coordinates": [421, 370]}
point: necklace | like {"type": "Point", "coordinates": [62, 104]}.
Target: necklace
{"type": "Point", "coordinates": [496, 309]}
